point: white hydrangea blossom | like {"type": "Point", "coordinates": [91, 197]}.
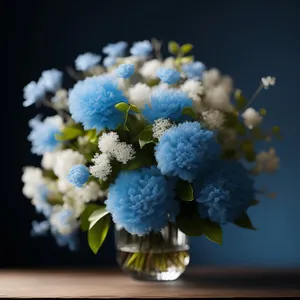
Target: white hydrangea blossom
{"type": "Point", "coordinates": [64, 185]}
{"type": "Point", "coordinates": [129, 60]}
{"type": "Point", "coordinates": [60, 100]}
{"type": "Point", "coordinates": [251, 117]}
{"type": "Point", "coordinates": [149, 69]}
{"type": "Point", "coordinates": [266, 161]}
{"type": "Point", "coordinates": [160, 126]}
{"type": "Point", "coordinates": [102, 167]}
{"type": "Point", "coordinates": [195, 91]}
{"type": "Point", "coordinates": [169, 63]}
{"type": "Point", "coordinates": [214, 119]}
{"type": "Point", "coordinates": [108, 141]}
{"type": "Point", "coordinates": [268, 81]}
{"type": "Point", "coordinates": [56, 120]}
{"type": "Point", "coordinates": [218, 98]}
{"type": "Point", "coordinates": [139, 95]}
{"type": "Point", "coordinates": [48, 160]}
{"type": "Point", "coordinates": [211, 77]}
{"type": "Point", "coordinates": [65, 160]}
{"type": "Point", "coordinates": [32, 178]}
{"type": "Point", "coordinates": [123, 152]}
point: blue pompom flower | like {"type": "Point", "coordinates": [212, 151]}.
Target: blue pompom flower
{"type": "Point", "coordinates": [167, 104]}
{"type": "Point", "coordinates": [40, 228]}
{"type": "Point", "coordinates": [42, 135]}
{"type": "Point", "coordinates": [125, 70]}
{"type": "Point", "coordinates": [224, 193]}
{"type": "Point", "coordinates": [52, 80]}
{"type": "Point", "coordinates": [194, 70]}
{"type": "Point", "coordinates": [116, 49]}
{"type": "Point", "coordinates": [78, 175]}
{"type": "Point", "coordinates": [141, 201]}
{"type": "Point", "coordinates": [109, 61]}
{"type": "Point", "coordinates": [86, 61]}
{"type": "Point", "coordinates": [185, 150]}
{"type": "Point", "coordinates": [141, 49]}
{"type": "Point", "coordinates": [70, 240]}
{"type": "Point", "coordinates": [169, 76]}
{"type": "Point", "coordinates": [33, 92]}
{"type": "Point", "coordinates": [92, 102]}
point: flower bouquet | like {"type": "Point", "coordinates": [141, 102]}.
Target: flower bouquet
{"type": "Point", "coordinates": [165, 148]}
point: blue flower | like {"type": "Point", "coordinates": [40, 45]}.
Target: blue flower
{"type": "Point", "coordinates": [70, 240]}
{"type": "Point", "coordinates": [109, 61]}
{"type": "Point", "coordinates": [40, 201]}
{"type": "Point", "coordinates": [87, 61]}
{"type": "Point", "coordinates": [169, 76]}
{"type": "Point", "coordinates": [33, 92]}
{"type": "Point", "coordinates": [79, 175]}
{"type": "Point", "coordinates": [40, 228]}
{"type": "Point", "coordinates": [194, 70]}
{"type": "Point", "coordinates": [185, 150]}
{"type": "Point", "coordinates": [92, 102]}
{"type": "Point", "coordinates": [141, 49]}
{"type": "Point", "coordinates": [167, 104]}
{"type": "Point", "coordinates": [51, 80]}
{"type": "Point", "coordinates": [42, 135]}
{"type": "Point", "coordinates": [141, 201]}
{"type": "Point", "coordinates": [224, 193]}
{"type": "Point", "coordinates": [125, 70]}
{"type": "Point", "coordinates": [116, 49]}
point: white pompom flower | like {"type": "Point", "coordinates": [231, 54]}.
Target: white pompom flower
{"type": "Point", "coordinates": [268, 81]}
{"type": "Point", "coordinates": [195, 91]}
{"type": "Point", "coordinates": [48, 160]}
{"type": "Point", "coordinates": [108, 141]}
{"type": "Point", "coordinates": [214, 119]}
{"type": "Point", "coordinates": [101, 167]}
{"type": "Point", "coordinates": [266, 162]}
{"type": "Point", "coordinates": [139, 95]}
{"type": "Point", "coordinates": [211, 77]}
{"type": "Point", "coordinates": [32, 178]}
{"type": "Point", "coordinates": [251, 117]}
{"type": "Point", "coordinates": [160, 126]}
{"type": "Point", "coordinates": [123, 152]}
{"type": "Point", "coordinates": [149, 69]}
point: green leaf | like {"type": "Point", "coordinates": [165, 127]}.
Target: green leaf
{"type": "Point", "coordinates": [84, 217]}
{"type": "Point", "coordinates": [122, 106]}
{"type": "Point", "coordinates": [263, 111]}
{"type": "Point", "coordinates": [68, 133]}
{"type": "Point", "coordinates": [254, 202]}
{"type": "Point", "coordinates": [187, 59]}
{"type": "Point", "coordinates": [98, 233]}
{"type": "Point", "coordinates": [173, 47]}
{"type": "Point", "coordinates": [146, 136]}
{"type": "Point", "coordinates": [141, 159]}
{"type": "Point", "coordinates": [212, 231]}
{"type": "Point", "coordinates": [244, 222]}
{"type": "Point", "coordinates": [134, 108]}
{"type": "Point", "coordinates": [186, 48]}
{"type": "Point", "coordinates": [240, 100]}
{"type": "Point", "coordinates": [240, 128]}
{"type": "Point", "coordinates": [184, 190]}
{"type": "Point", "coordinates": [231, 119]}
{"type": "Point", "coordinates": [189, 222]}
{"type": "Point", "coordinates": [97, 215]}
{"type": "Point", "coordinates": [189, 112]}
{"type": "Point", "coordinates": [92, 135]}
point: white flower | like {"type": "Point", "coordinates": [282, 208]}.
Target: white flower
{"type": "Point", "coordinates": [129, 60]}
{"type": "Point", "coordinates": [60, 100]}
{"type": "Point", "coordinates": [108, 141]}
{"type": "Point", "coordinates": [160, 126]}
{"type": "Point", "coordinates": [211, 77]}
{"type": "Point", "coordinates": [48, 160]}
{"type": "Point", "coordinates": [65, 160]}
{"type": "Point", "coordinates": [102, 167]}
{"type": "Point", "coordinates": [218, 98]}
{"type": "Point", "coordinates": [169, 63]}
{"type": "Point", "coordinates": [83, 140]}
{"type": "Point", "coordinates": [56, 120]}
{"type": "Point", "coordinates": [268, 81]}
{"type": "Point", "coordinates": [214, 119]}
{"type": "Point", "coordinates": [149, 69]}
{"type": "Point", "coordinates": [32, 178]}
{"type": "Point", "coordinates": [64, 185]}
{"type": "Point", "coordinates": [251, 117]}
{"type": "Point", "coordinates": [195, 90]}
{"type": "Point", "coordinates": [139, 95]}
{"type": "Point", "coordinates": [123, 152]}
{"type": "Point", "coordinates": [266, 162]}
{"type": "Point", "coordinates": [227, 83]}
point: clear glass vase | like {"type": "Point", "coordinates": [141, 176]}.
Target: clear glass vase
{"type": "Point", "coordinates": [160, 256]}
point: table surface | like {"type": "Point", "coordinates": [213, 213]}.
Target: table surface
{"type": "Point", "coordinates": [195, 283]}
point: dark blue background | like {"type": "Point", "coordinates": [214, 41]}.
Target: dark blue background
{"type": "Point", "coordinates": [246, 39]}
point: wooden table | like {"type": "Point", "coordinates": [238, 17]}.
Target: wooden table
{"type": "Point", "coordinates": [196, 283]}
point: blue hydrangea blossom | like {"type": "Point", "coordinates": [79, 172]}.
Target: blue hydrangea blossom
{"type": "Point", "coordinates": [167, 104]}
{"type": "Point", "coordinates": [78, 175]}
{"type": "Point", "coordinates": [42, 135]}
{"type": "Point", "coordinates": [92, 102]}
{"type": "Point", "coordinates": [33, 92]}
{"type": "Point", "coordinates": [141, 201]}
{"type": "Point", "coordinates": [51, 80]}
{"type": "Point", "coordinates": [109, 61]}
{"type": "Point", "coordinates": [40, 201]}
{"type": "Point", "coordinates": [70, 240]}
{"type": "Point", "coordinates": [86, 61]}
{"type": "Point", "coordinates": [169, 76]}
{"type": "Point", "coordinates": [125, 70]}
{"type": "Point", "coordinates": [186, 150]}
{"type": "Point", "coordinates": [116, 49]}
{"type": "Point", "coordinates": [194, 70]}
{"type": "Point", "coordinates": [141, 49]}
{"type": "Point", "coordinates": [40, 228]}
{"type": "Point", "coordinates": [225, 192]}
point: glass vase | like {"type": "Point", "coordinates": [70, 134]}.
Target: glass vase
{"type": "Point", "coordinates": [157, 256]}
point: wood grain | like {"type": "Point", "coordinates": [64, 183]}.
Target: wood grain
{"type": "Point", "coordinates": [196, 283]}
